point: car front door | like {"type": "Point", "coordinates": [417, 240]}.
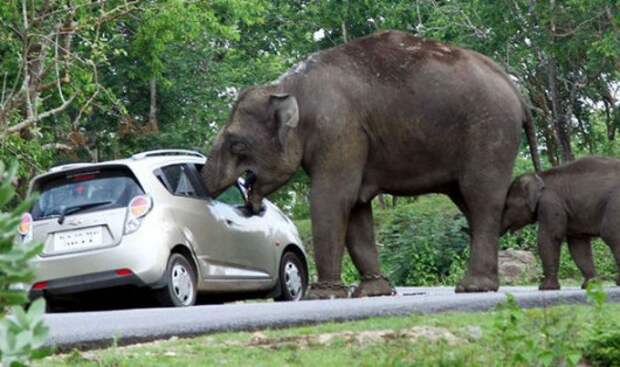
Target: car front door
{"type": "Point", "coordinates": [235, 245]}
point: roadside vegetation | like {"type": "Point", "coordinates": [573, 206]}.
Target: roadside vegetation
{"type": "Point", "coordinates": [22, 333]}
{"type": "Point", "coordinates": [508, 336]}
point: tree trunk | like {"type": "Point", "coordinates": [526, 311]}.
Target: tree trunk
{"type": "Point", "coordinates": [560, 123]}
{"type": "Point", "coordinates": [611, 115]}
{"type": "Point", "coordinates": [153, 123]}
{"type": "Point", "coordinates": [540, 101]}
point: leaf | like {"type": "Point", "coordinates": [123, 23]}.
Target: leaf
{"type": "Point", "coordinates": [546, 358]}
{"type": "Point", "coordinates": [37, 308]}
{"type": "Point", "coordinates": [22, 317]}
{"type": "Point", "coordinates": [573, 358]}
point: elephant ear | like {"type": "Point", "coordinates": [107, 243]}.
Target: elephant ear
{"type": "Point", "coordinates": [534, 187]}
{"type": "Point", "coordinates": [286, 113]}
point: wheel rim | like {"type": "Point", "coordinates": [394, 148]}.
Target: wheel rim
{"type": "Point", "coordinates": [182, 285]}
{"type": "Point", "coordinates": [293, 281]}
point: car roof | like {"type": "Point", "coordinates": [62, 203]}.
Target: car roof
{"type": "Point", "coordinates": [138, 161]}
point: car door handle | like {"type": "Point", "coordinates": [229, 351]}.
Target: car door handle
{"type": "Point", "coordinates": [230, 222]}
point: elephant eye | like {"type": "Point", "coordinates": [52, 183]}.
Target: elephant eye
{"type": "Point", "coordinates": [238, 148]}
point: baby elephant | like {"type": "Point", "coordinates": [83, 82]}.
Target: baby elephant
{"type": "Point", "coordinates": [575, 201]}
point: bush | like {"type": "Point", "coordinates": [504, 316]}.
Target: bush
{"type": "Point", "coordinates": [424, 242]}
{"type": "Point", "coordinates": [603, 345]}
{"type": "Point", "coordinates": [525, 239]}
{"type": "Point", "coordinates": [421, 242]}
{"type": "Point", "coordinates": [534, 339]}
{"type": "Point", "coordinates": [21, 333]}
{"type": "Point", "coordinates": [603, 348]}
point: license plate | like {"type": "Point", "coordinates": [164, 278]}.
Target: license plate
{"type": "Point", "coordinates": [78, 240]}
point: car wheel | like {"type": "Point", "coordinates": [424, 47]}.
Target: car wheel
{"type": "Point", "coordinates": [180, 280]}
{"type": "Point", "coordinates": [293, 278]}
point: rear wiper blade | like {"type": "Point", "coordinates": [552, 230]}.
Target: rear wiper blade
{"type": "Point", "coordinates": [78, 208]}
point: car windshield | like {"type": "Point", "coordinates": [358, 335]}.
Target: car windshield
{"type": "Point", "coordinates": [93, 190]}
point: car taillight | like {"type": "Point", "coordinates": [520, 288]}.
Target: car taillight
{"type": "Point", "coordinates": [25, 227]}
{"type": "Point", "coordinates": [40, 286]}
{"type": "Point", "coordinates": [137, 209]}
{"type": "Point", "coordinates": [123, 272]}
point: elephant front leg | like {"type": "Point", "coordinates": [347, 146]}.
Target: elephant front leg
{"type": "Point", "coordinates": [549, 247]}
{"type": "Point", "coordinates": [330, 214]}
{"type": "Point", "coordinates": [552, 223]}
{"type": "Point", "coordinates": [363, 251]}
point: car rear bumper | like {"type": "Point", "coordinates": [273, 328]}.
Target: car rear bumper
{"type": "Point", "coordinates": [145, 253]}
{"type": "Point", "coordinates": [83, 283]}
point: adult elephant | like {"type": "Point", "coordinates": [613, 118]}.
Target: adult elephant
{"type": "Point", "coordinates": [387, 113]}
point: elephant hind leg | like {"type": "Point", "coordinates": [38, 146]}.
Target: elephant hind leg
{"type": "Point", "coordinates": [362, 248]}
{"type": "Point", "coordinates": [614, 244]}
{"type": "Point", "coordinates": [581, 251]}
{"type": "Point", "coordinates": [482, 203]}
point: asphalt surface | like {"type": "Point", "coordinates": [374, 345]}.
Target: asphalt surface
{"type": "Point", "coordinates": [98, 329]}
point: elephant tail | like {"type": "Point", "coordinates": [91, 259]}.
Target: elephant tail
{"type": "Point", "coordinates": [530, 132]}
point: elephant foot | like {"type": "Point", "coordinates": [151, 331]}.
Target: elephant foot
{"type": "Point", "coordinates": [586, 281]}
{"type": "Point", "coordinates": [374, 286]}
{"type": "Point", "coordinates": [549, 284]}
{"type": "Point", "coordinates": [470, 284]}
{"type": "Point", "coordinates": [327, 290]}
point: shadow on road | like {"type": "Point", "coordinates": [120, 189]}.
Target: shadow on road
{"type": "Point", "coordinates": [124, 298]}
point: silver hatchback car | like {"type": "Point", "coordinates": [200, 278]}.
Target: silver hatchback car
{"type": "Point", "coordinates": [147, 221]}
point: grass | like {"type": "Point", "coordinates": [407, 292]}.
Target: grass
{"type": "Point", "coordinates": [388, 341]}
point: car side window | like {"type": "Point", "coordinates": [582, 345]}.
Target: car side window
{"type": "Point", "coordinates": [176, 180]}
{"type": "Point", "coordinates": [232, 196]}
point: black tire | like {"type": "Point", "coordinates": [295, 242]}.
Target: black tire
{"type": "Point", "coordinates": [179, 275]}
{"type": "Point", "coordinates": [287, 280]}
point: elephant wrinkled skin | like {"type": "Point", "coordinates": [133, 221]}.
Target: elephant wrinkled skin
{"type": "Point", "coordinates": [386, 113]}
{"type": "Point", "coordinates": [576, 201]}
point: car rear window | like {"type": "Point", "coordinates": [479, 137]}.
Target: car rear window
{"type": "Point", "coordinates": [108, 187]}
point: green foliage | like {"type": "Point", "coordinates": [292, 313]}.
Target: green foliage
{"type": "Point", "coordinates": [525, 239]}
{"type": "Point", "coordinates": [423, 243]}
{"type": "Point", "coordinates": [13, 258]}
{"type": "Point", "coordinates": [555, 345]}
{"type": "Point", "coordinates": [22, 334]}
{"type": "Point", "coordinates": [602, 347]}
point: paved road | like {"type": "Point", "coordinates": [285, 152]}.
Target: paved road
{"type": "Point", "coordinates": [94, 329]}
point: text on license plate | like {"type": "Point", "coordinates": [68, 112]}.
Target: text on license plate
{"type": "Point", "coordinates": [80, 239]}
